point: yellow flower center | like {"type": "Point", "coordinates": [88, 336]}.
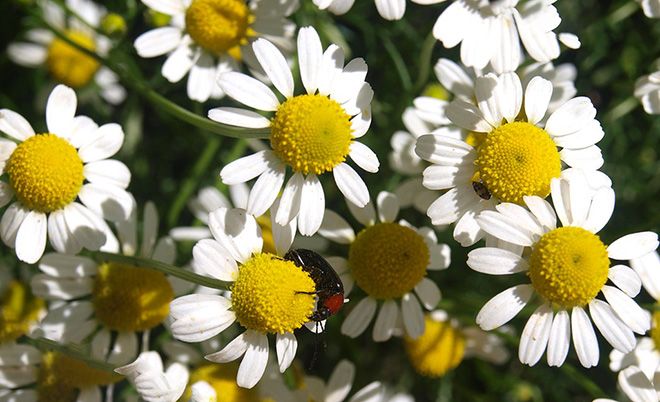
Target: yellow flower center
{"type": "Point", "coordinates": [18, 310]}
{"type": "Point", "coordinates": [61, 377]}
{"type": "Point", "coordinates": [568, 266]}
{"type": "Point", "coordinates": [129, 298]}
{"type": "Point", "coordinates": [268, 295]}
{"type": "Point", "coordinates": [267, 234]}
{"type": "Point", "coordinates": [475, 139]}
{"type": "Point", "coordinates": [69, 65]}
{"type": "Point", "coordinates": [45, 172]}
{"type": "Point", "coordinates": [655, 329]}
{"type": "Point", "coordinates": [387, 260]}
{"type": "Point", "coordinates": [437, 91]}
{"type": "Point", "coordinates": [440, 348]}
{"type": "Point", "coordinates": [222, 377]}
{"type": "Point", "coordinates": [220, 26]}
{"type": "Point", "coordinates": [311, 133]}
{"type": "Point", "coordinates": [518, 159]}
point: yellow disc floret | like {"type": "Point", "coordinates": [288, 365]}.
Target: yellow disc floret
{"type": "Point", "coordinates": [61, 378]}
{"type": "Point", "coordinates": [45, 172]}
{"type": "Point", "coordinates": [655, 328]}
{"type": "Point", "coordinates": [518, 159]}
{"type": "Point", "coordinates": [272, 295]}
{"type": "Point", "coordinates": [387, 260]}
{"type": "Point", "coordinates": [267, 234]}
{"type": "Point", "coordinates": [69, 65]}
{"type": "Point", "coordinates": [222, 377]}
{"type": "Point", "coordinates": [568, 266]}
{"type": "Point", "coordinates": [129, 298]}
{"type": "Point", "coordinates": [220, 26]}
{"type": "Point", "coordinates": [311, 133]}
{"type": "Point", "coordinates": [18, 310]}
{"type": "Point", "coordinates": [440, 348]}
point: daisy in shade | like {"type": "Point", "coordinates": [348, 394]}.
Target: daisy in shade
{"type": "Point", "coordinates": [444, 345]}
{"type": "Point", "coordinates": [109, 302]}
{"type": "Point", "coordinates": [389, 9]}
{"type": "Point", "coordinates": [269, 296]}
{"type": "Point", "coordinates": [428, 115]}
{"type": "Point", "coordinates": [388, 260]}
{"type": "Point", "coordinates": [515, 153]}
{"type": "Point", "coordinates": [491, 32]}
{"type": "Point", "coordinates": [46, 173]}
{"type": "Point", "coordinates": [28, 375]}
{"type": "Point", "coordinates": [568, 267]}
{"type": "Point", "coordinates": [208, 37]}
{"type": "Point", "coordinates": [66, 64]}
{"type": "Point", "coordinates": [152, 382]}
{"type": "Point", "coordinates": [647, 90]}
{"type": "Point", "coordinates": [311, 133]}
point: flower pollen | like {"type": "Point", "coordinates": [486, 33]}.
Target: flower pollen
{"type": "Point", "coordinates": [439, 349]}
{"type": "Point", "coordinates": [272, 295]}
{"type": "Point", "coordinates": [220, 26]}
{"type": "Point", "coordinates": [388, 260]}
{"type": "Point", "coordinates": [311, 133]}
{"type": "Point", "coordinates": [69, 65]}
{"type": "Point", "coordinates": [568, 266]}
{"type": "Point", "coordinates": [518, 159]}
{"type": "Point", "coordinates": [222, 377]}
{"type": "Point", "coordinates": [129, 298]}
{"type": "Point", "coordinates": [18, 310]}
{"type": "Point", "coordinates": [45, 172]}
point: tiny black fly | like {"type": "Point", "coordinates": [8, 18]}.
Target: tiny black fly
{"type": "Point", "coordinates": [481, 190]}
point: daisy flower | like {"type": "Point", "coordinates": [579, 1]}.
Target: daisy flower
{"type": "Point", "coordinates": [46, 173]}
{"type": "Point", "coordinates": [639, 369]}
{"type": "Point", "coordinates": [514, 154]}
{"type": "Point", "coordinates": [26, 374]}
{"type": "Point", "coordinates": [65, 63]}
{"type": "Point", "coordinates": [388, 260]}
{"type": "Point", "coordinates": [651, 8]}
{"type": "Point", "coordinates": [269, 295]}
{"type": "Point", "coordinates": [20, 310]}
{"type": "Point", "coordinates": [491, 32]}
{"type": "Point", "coordinates": [109, 301]}
{"type": "Point", "coordinates": [647, 90]}
{"type": "Point", "coordinates": [152, 382]}
{"type": "Point", "coordinates": [312, 133]}
{"type": "Point", "coordinates": [568, 267]}
{"type": "Point", "coordinates": [208, 37]}
{"type": "Point", "coordinates": [391, 10]}
{"type": "Point", "coordinates": [444, 345]}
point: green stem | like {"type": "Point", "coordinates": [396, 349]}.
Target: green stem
{"type": "Point", "coordinates": [622, 109]}
{"type": "Point", "coordinates": [164, 268]}
{"type": "Point", "coordinates": [75, 351]}
{"type": "Point", "coordinates": [190, 184]}
{"type": "Point", "coordinates": [158, 100]}
{"type": "Point", "coordinates": [585, 382]}
{"type": "Point", "coordinates": [623, 12]}
{"type": "Point", "coordinates": [399, 64]}
{"type": "Point", "coordinates": [425, 61]}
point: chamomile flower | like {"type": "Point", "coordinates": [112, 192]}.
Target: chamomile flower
{"type": "Point", "coordinates": [208, 37]}
{"type": "Point", "coordinates": [388, 260]}
{"type": "Point", "coordinates": [109, 301]}
{"type": "Point", "coordinates": [444, 345]}
{"type": "Point", "coordinates": [514, 154]}
{"type": "Point", "coordinates": [389, 9]}
{"type": "Point", "coordinates": [568, 267]}
{"type": "Point", "coordinates": [311, 133]}
{"type": "Point", "coordinates": [647, 90]}
{"type": "Point", "coordinates": [152, 382]}
{"type": "Point", "coordinates": [269, 295]}
{"type": "Point", "coordinates": [66, 64]}
{"type": "Point", "coordinates": [28, 375]}
{"type": "Point", "coordinates": [19, 310]}
{"type": "Point", "coordinates": [651, 8]}
{"type": "Point", "coordinates": [46, 174]}
{"type": "Point", "coordinates": [491, 32]}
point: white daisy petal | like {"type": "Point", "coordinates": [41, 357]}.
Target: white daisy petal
{"type": "Point", "coordinates": [351, 185]}
{"type": "Point", "coordinates": [625, 279]}
{"type": "Point", "coordinates": [589, 158]}
{"type": "Point", "coordinates": [110, 202]}
{"type": "Point", "coordinates": [234, 349]}
{"type": "Point", "coordinates": [570, 40]}
{"type": "Point", "coordinates": [198, 317]}
{"type": "Point", "coordinates": [590, 134]}
{"type": "Point", "coordinates": [505, 228]}
{"type": "Point", "coordinates": [59, 235]}
{"type": "Point", "coordinates": [443, 150]}
{"type": "Point", "coordinates": [570, 117]}
{"type": "Point", "coordinates": [237, 232]}
{"type": "Point", "coordinates": [167, 7]}
{"type": "Point", "coordinates": [275, 66]}
{"type": "Point", "coordinates": [522, 216]}
{"type": "Point", "coordinates": [635, 317]}
{"type": "Point", "coordinates": [312, 206]}
{"type": "Point", "coordinates": [428, 293]}
{"type": "Point", "coordinates": [283, 235]}
{"type": "Point", "coordinates": [503, 307]}
{"type": "Point", "coordinates": [157, 42]}
{"type": "Point", "coordinates": [388, 206]}
{"type": "Point", "coordinates": [537, 99]}
{"type": "Point", "coordinates": [108, 172]}
{"type": "Point", "coordinates": [413, 316]}
{"type": "Point", "coordinates": [391, 9]}
{"type": "Point", "coordinates": [331, 65]}
{"type": "Point", "coordinates": [286, 346]}
{"type": "Point", "coordinates": [510, 95]}
{"type": "Point", "coordinates": [245, 168]}
{"type": "Point", "coordinates": [15, 125]}
{"type": "Point", "coordinates": [31, 237]}
{"type": "Point", "coordinates": [584, 338]}
{"type": "Point", "coordinates": [636, 385]}
{"type": "Point", "coordinates": [248, 91]}
{"type": "Point", "coordinates": [201, 78]}
{"type": "Point", "coordinates": [467, 116]}
{"type": "Point", "coordinates": [633, 246]}
{"type": "Point", "coordinates": [180, 61]}
{"type": "Point", "coordinates": [543, 212]}
{"type": "Point", "coordinates": [67, 266]}
{"type": "Point", "coordinates": [254, 362]}
{"type": "Point", "coordinates": [454, 78]}
{"type": "Point", "coordinates": [60, 109]}
{"type": "Point", "coordinates": [290, 200]}
{"type": "Point", "coordinates": [385, 321]}
{"type": "Point", "coordinates": [108, 139]}
{"type": "Point", "coordinates": [238, 117]}
{"type": "Point", "coordinates": [87, 227]}
{"type": "Point", "coordinates": [359, 318]}
{"type": "Point", "coordinates": [495, 261]}
{"type": "Point", "coordinates": [364, 157]}
{"type": "Point", "coordinates": [266, 188]}
{"type": "Point", "coordinates": [600, 211]}
{"type": "Point", "coordinates": [646, 268]}
{"type": "Point", "coordinates": [335, 228]}
{"type": "Point", "coordinates": [213, 260]}
{"type": "Point", "coordinates": [11, 222]}
{"type": "Point", "coordinates": [560, 339]}
{"type": "Point", "coordinates": [340, 382]}
{"type": "Point", "coordinates": [613, 329]}
{"type": "Point", "coordinates": [534, 338]}
{"type": "Point", "coordinates": [27, 54]}
{"type": "Point", "coordinates": [309, 57]}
